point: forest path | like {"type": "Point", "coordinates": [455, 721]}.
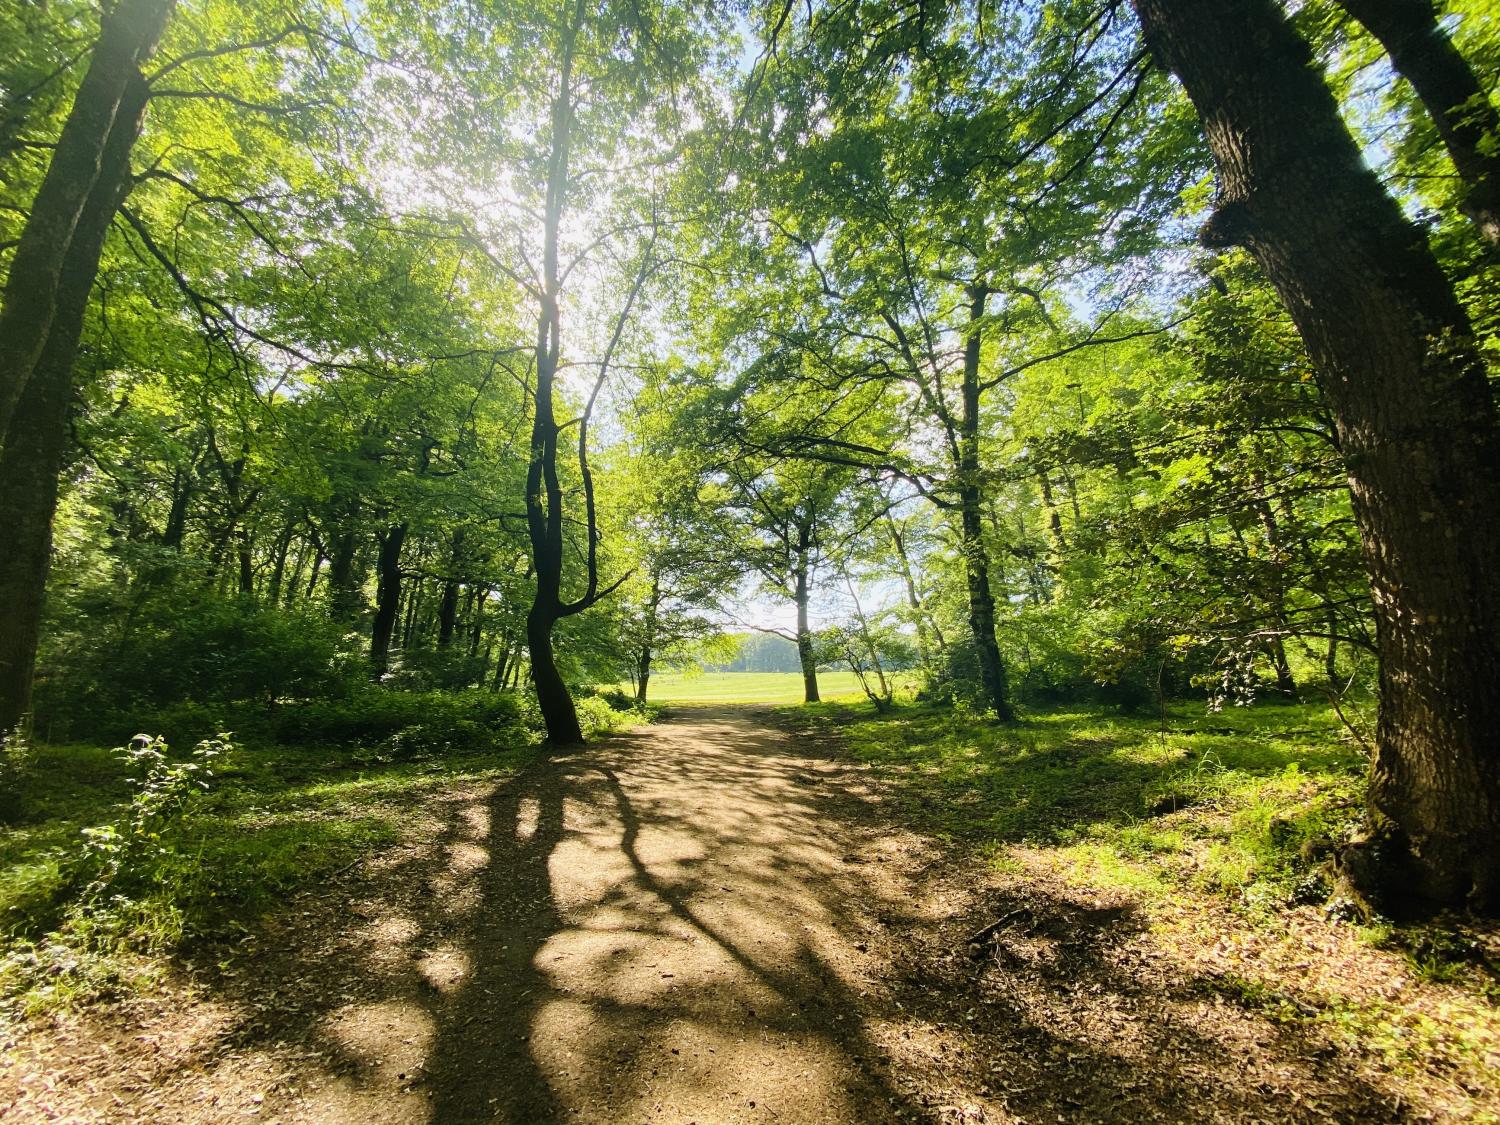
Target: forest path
{"type": "Point", "coordinates": [675, 924]}
{"type": "Point", "coordinates": [710, 920]}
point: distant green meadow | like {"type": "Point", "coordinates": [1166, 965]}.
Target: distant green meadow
{"type": "Point", "coordinates": [745, 687]}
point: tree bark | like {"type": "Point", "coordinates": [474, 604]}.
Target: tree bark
{"type": "Point", "coordinates": [648, 641]}
{"type": "Point", "coordinates": [343, 587]}
{"type": "Point", "coordinates": [806, 657]}
{"type": "Point", "coordinates": [387, 599]}
{"type": "Point", "coordinates": [127, 36]}
{"type": "Point", "coordinates": [1397, 361]}
{"type": "Point", "coordinates": [992, 672]}
{"type": "Point", "coordinates": [448, 604]}
{"type": "Point", "coordinates": [1421, 52]}
{"type": "Point", "coordinates": [32, 459]}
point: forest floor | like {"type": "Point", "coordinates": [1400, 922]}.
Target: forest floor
{"type": "Point", "coordinates": [728, 918]}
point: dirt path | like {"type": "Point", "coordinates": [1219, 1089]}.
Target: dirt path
{"type": "Point", "coordinates": [675, 924]}
{"type": "Point", "coordinates": [712, 920]}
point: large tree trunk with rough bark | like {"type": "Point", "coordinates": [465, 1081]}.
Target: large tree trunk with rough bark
{"type": "Point", "coordinates": [32, 459]}
{"type": "Point", "coordinates": [1416, 424]}
{"type": "Point", "coordinates": [992, 671]}
{"type": "Point", "coordinates": [1421, 52]}
{"type": "Point", "coordinates": [127, 36]}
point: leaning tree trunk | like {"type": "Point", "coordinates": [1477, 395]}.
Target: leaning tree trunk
{"type": "Point", "coordinates": [1422, 53]}
{"type": "Point", "coordinates": [1396, 358]}
{"type": "Point", "coordinates": [387, 599]}
{"type": "Point", "coordinates": [31, 461]}
{"type": "Point", "coordinates": [127, 36]}
{"type": "Point", "coordinates": [992, 672]}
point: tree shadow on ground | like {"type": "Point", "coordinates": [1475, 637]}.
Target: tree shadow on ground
{"type": "Point", "coordinates": [693, 923]}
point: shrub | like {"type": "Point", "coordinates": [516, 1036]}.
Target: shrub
{"type": "Point", "coordinates": [406, 724]}
{"type": "Point", "coordinates": [207, 651]}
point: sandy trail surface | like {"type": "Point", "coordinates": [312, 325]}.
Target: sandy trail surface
{"type": "Point", "coordinates": [676, 924]}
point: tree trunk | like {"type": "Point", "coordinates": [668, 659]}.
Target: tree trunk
{"type": "Point", "coordinates": [32, 458]}
{"type": "Point", "coordinates": [806, 657]}
{"type": "Point", "coordinates": [343, 587]}
{"type": "Point", "coordinates": [476, 623]}
{"type": "Point", "coordinates": [1421, 52]}
{"type": "Point", "coordinates": [448, 603]}
{"type": "Point", "coordinates": [387, 599]}
{"type": "Point", "coordinates": [648, 643]}
{"type": "Point", "coordinates": [448, 613]}
{"type": "Point", "coordinates": [918, 612]}
{"type": "Point", "coordinates": [127, 36]}
{"type": "Point", "coordinates": [642, 674]}
{"type": "Point", "coordinates": [992, 672]}
{"type": "Point", "coordinates": [552, 695]}
{"type": "Point", "coordinates": [1396, 358]}
{"type": "Point", "coordinates": [278, 568]}
{"type": "Point", "coordinates": [245, 559]}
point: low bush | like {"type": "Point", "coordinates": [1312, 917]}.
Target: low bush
{"type": "Point", "coordinates": [406, 723]}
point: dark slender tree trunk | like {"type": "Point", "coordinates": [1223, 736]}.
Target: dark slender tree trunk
{"type": "Point", "coordinates": [643, 659]}
{"type": "Point", "coordinates": [1421, 52]}
{"type": "Point", "coordinates": [387, 598]}
{"type": "Point", "coordinates": [448, 613]}
{"type": "Point", "coordinates": [642, 674]}
{"type": "Point", "coordinates": [278, 568]}
{"type": "Point", "coordinates": [1406, 386]}
{"type": "Point", "coordinates": [544, 493]}
{"type": "Point", "coordinates": [245, 557]}
{"type": "Point", "coordinates": [32, 458]}
{"type": "Point", "coordinates": [992, 671]}
{"type": "Point", "coordinates": [343, 586]}
{"type": "Point", "coordinates": [448, 603]}
{"type": "Point", "coordinates": [176, 528]}
{"type": "Point", "coordinates": [552, 694]}
{"type": "Point", "coordinates": [413, 600]}
{"type": "Point", "coordinates": [476, 622]}
{"type": "Point", "coordinates": [127, 36]}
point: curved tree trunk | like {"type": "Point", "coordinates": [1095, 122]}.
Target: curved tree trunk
{"type": "Point", "coordinates": [1405, 383]}
{"type": "Point", "coordinates": [127, 36]}
{"type": "Point", "coordinates": [387, 599]}
{"type": "Point", "coordinates": [32, 459]}
{"type": "Point", "coordinates": [1422, 53]}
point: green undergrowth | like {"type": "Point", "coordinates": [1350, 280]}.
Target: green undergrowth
{"type": "Point", "coordinates": [264, 819]}
{"type": "Point", "coordinates": [1243, 802]}
{"type": "Point", "coordinates": [1240, 808]}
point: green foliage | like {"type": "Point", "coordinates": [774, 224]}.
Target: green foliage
{"type": "Point", "coordinates": [199, 651]}
{"type": "Point", "coordinates": [181, 865]}
{"type": "Point", "coordinates": [399, 725]}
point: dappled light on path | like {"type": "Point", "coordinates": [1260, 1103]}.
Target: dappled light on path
{"type": "Point", "coordinates": [708, 921]}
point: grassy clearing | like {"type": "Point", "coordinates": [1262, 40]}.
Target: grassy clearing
{"type": "Point", "coordinates": [747, 687]}
{"type": "Point", "coordinates": [1220, 827]}
{"type": "Point", "coordinates": [273, 819]}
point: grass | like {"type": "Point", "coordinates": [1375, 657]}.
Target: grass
{"type": "Point", "coordinates": [1215, 824]}
{"type": "Point", "coordinates": [1233, 802]}
{"type": "Point", "coordinates": [747, 687]}
{"type": "Point", "coordinates": [274, 819]}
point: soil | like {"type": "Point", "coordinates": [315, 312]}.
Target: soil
{"type": "Point", "coordinates": [713, 919]}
